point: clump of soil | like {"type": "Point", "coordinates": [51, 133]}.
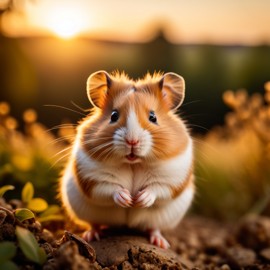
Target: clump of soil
{"type": "Point", "coordinates": [197, 244]}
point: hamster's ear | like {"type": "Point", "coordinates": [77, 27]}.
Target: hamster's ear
{"type": "Point", "coordinates": [97, 86]}
{"type": "Point", "coordinates": [173, 89]}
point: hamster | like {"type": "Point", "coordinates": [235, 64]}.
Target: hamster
{"type": "Point", "coordinates": [131, 162]}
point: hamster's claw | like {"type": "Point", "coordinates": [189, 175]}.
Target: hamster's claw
{"type": "Point", "coordinates": [91, 235]}
{"type": "Point", "coordinates": [123, 198]}
{"type": "Point", "coordinates": [144, 199]}
{"type": "Point", "coordinates": [157, 239]}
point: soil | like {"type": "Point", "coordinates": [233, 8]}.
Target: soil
{"type": "Point", "coordinates": [197, 243]}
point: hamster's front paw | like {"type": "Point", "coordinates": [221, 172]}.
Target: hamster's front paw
{"type": "Point", "coordinates": [144, 198]}
{"type": "Point", "coordinates": [122, 197]}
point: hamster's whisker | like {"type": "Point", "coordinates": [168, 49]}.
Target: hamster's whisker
{"type": "Point", "coordinates": [79, 107]}
{"type": "Point", "coordinates": [99, 145]}
{"type": "Point", "coordinates": [61, 126]}
{"type": "Point", "coordinates": [104, 146]}
{"type": "Point", "coordinates": [198, 126]}
{"type": "Point", "coordinates": [190, 102]}
{"type": "Point", "coordinates": [62, 151]}
{"type": "Point", "coordinates": [105, 153]}
{"type": "Point", "coordinates": [99, 138]}
{"type": "Point", "coordinates": [65, 108]}
{"type": "Point", "coordinates": [110, 151]}
{"type": "Point", "coordinates": [63, 138]}
{"type": "Point", "coordinates": [97, 149]}
{"type": "Point", "coordinates": [60, 159]}
{"type": "Point", "coordinates": [204, 143]}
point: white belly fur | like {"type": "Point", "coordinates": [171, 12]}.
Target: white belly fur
{"type": "Point", "coordinates": [163, 216]}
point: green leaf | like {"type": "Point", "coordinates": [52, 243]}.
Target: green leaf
{"type": "Point", "coordinates": [27, 192]}
{"type": "Point", "coordinates": [9, 265]}
{"type": "Point", "coordinates": [52, 213]}
{"type": "Point", "coordinates": [29, 246]}
{"type": "Point", "coordinates": [23, 213]}
{"type": "Point", "coordinates": [51, 218]}
{"type": "Point", "coordinates": [4, 189]}
{"type": "Point", "coordinates": [37, 205]}
{"type": "Point", "coordinates": [42, 255]}
{"type": "Point", "coordinates": [7, 251]}
{"type": "Point", "coordinates": [51, 210]}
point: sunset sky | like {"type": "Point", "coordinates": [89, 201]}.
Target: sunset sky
{"type": "Point", "coordinates": [193, 21]}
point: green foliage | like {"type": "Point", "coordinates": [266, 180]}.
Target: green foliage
{"type": "Point", "coordinates": [52, 213]}
{"type": "Point", "coordinates": [233, 173]}
{"type": "Point", "coordinates": [46, 213]}
{"type": "Point", "coordinates": [27, 192]}
{"type": "Point", "coordinates": [29, 246]}
{"type": "Point", "coordinates": [23, 214]}
{"type": "Point", "coordinates": [7, 253]}
{"type": "Point", "coordinates": [35, 204]}
{"type": "Point", "coordinates": [29, 154]}
{"type": "Point", "coordinates": [4, 189]}
{"type": "Point", "coordinates": [8, 265]}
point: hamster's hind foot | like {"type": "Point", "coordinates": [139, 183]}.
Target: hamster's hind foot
{"type": "Point", "coordinates": [92, 234]}
{"type": "Point", "coordinates": [157, 239]}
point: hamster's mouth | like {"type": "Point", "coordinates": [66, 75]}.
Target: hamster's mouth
{"type": "Point", "coordinates": [132, 157]}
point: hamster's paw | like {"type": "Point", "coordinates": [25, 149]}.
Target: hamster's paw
{"type": "Point", "coordinates": [91, 235]}
{"type": "Point", "coordinates": [122, 198]}
{"type": "Point", "coordinates": [144, 198]}
{"type": "Point", "coordinates": [157, 239]}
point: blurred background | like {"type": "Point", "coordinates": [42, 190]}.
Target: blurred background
{"type": "Point", "coordinates": [48, 48]}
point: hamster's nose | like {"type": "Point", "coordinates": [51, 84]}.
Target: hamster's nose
{"type": "Point", "coordinates": [132, 142]}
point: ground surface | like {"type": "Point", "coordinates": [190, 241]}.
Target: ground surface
{"type": "Point", "coordinates": [197, 243]}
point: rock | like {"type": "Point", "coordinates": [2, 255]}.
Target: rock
{"type": "Point", "coordinates": [254, 232]}
{"type": "Point", "coordinates": [225, 267]}
{"type": "Point", "coordinates": [265, 254]}
{"type": "Point", "coordinates": [7, 232]}
{"type": "Point", "coordinates": [6, 216]}
{"type": "Point", "coordinates": [4, 204]}
{"type": "Point", "coordinates": [239, 257]}
{"type": "Point", "coordinates": [85, 249]}
{"type": "Point", "coordinates": [154, 258]}
{"type": "Point", "coordinates": [68, 258]}
{"type": "Point", "coordinates": [134, 251]}
{"type": "Point", "coordinates": [46, 236]}
{"type": "Point", "coordinates": [126, 266]}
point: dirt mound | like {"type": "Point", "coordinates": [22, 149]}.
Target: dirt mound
{"type": "Point", "coordinates": [197, 243]}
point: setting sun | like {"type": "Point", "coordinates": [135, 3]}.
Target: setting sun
{"type": "Point", "coordinates": [65, 22]}
{"type": "Point", "coordinates": [63, 19]}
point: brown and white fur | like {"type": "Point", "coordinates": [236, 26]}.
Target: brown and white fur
{"type": "Point", "coordinates": [132, 159]}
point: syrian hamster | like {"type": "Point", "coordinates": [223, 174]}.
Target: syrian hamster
{"type": "Point", "coordinates": [131, 162]}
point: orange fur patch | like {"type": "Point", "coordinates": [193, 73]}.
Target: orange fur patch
{"type": "Point", "coordinates": [85, 185]}
{"type": "Point", "coordinates": [176, 191]}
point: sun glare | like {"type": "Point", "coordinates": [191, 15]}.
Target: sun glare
{"type": "Point", "coordinates": [65, 20]}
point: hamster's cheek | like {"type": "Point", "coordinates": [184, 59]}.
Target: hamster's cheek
{"type": "Point", "coordinates": [145, 146]}
{"type": "Point", "coordinates": [119, 142]}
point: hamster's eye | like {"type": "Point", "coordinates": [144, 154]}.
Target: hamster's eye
{"type": "Point", "coordinates": [114, 116]}
{"type": "Point", "coordinates": [152, 117]}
